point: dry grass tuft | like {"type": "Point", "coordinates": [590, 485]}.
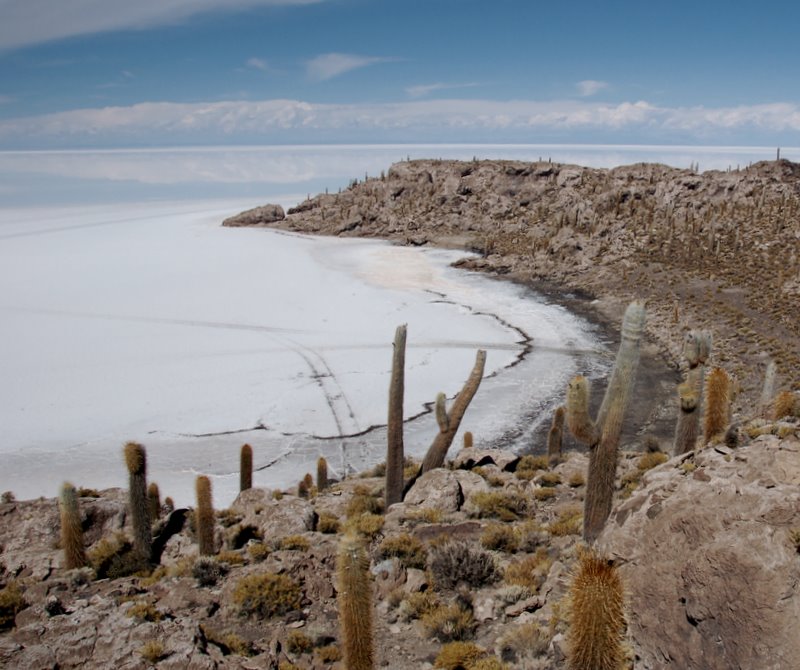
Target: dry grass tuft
{"type": "Point", "coordinates": [407, 548]}
{"type": "Point", "coordinates": [454, 562]}
{"type": "Point", "coordinates": [266, 595]}
{"type": "Point", "coordinates": [449, 623]}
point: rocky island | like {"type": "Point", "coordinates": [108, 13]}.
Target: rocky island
{"type": "Point", "coordinates": [495, 560]}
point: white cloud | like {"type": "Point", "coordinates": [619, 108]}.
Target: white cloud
{"type": "Point", "coordinates": [258, 64]}
{"type": "Point", "coordinates": [426, 89]}
{"type": "Point", "coordinates": [328, 66]}
{"type": "Point", "coordinates": [292, 120]}
{"type": "Point", "coordinates": [589, 87]}
{"type": "Point", "coordinates": [28, 22]}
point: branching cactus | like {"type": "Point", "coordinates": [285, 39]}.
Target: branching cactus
{"type": "Point", "coordinates": [602, 435]}
{"type": "Point", "coordinates": [555, 437]}
{"type": "Point", "coordinates": [394, 427]}
{"type": "Point", "coordinates": [322, 474]}
{"type": "Point", "coordinates": [204, 516]}
{"type": "Point", "coordinates": [246, 468]}
{"type": "Point", "coordinates": [450, 421]}
{"type": "Point", "coordinates": [71, 529]}
{"type": "Point", "coordinates": [718, 404]}
{"type": "Point", "coordinates": [136, 460]}
{"type": "Point", "coordinates": [355, 603]}
{"type": "Point", "coordinates": [597, 616]}
{"type": "Point", "coordinates": [696, 351]}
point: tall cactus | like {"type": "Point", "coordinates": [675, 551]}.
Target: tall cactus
{"type": "Point", "coordinates": [204, 516]}
{"type": "Point", "coordinates": [355, 603]}
{"type": "Point", "coordinates": [602, 435]}
{"type": "Point", "coordinates": [154, 502]}
{"type": "Point", "coordinates": [450, 421]}
{"type": "Point", "coordinates": [468, 440]}
{"type": "Point", "coordinates": [246, 468]}
{"type": "Point", "coordinates": [394, 426]}
{"type": "Point", "coordinates": [136, 460]}
{"type": "Point", "coordinates": [696, 351]}
{"type": "Point", "coordinates": [597, 616]}
{"type": "Point", "coordinates": [718, 404]}
{"type": "Point", "coordinates": [71, 529]}
{"type": "Point", "coordinates": [322, 474]}
{"type": "Point", "coordinates": [555, 437]}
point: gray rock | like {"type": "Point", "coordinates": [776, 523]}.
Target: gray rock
{"type": "Point", "coordinates": [436, 489]}
{"type": "Point", "coordinates": [258, 216]}
{"type": "Point", "coordinates": [466, 459]}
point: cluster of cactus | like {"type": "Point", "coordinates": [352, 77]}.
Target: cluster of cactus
{"type": "Point", "coordinates": [602, 435]}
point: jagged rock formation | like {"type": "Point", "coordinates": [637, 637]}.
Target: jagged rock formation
{"type": "Point", "coordinates": [717, 249]}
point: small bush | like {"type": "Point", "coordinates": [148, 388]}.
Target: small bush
{"type": "Point", "coordinates": [416, 605]}
{"type": "Point", "coordinates": [488, 663]}
{"type": "Point", "coordinates": [499, 537]}
{"type": "Point", "coordinates": [576, 479]}
{"type": "Point", "coordinates": [525, 642]}
{"type": "Point", "coordinates": [208, 571]}
{"type": "Point", "coordinates": [230, 557]}
{"type": "Point", "coordinates": [426, 515]}
{"type": "Point", "coordinates": [367, 524]}
{"type": "Point", "coordinates": [453, 562]}
{"type": "Point", "coordinates": [152, 651]}
{"type": "Point", "coordinates": [529, 572]}
{"type": "Point", "coordinates": [12, 603]}
{"type": "Point", "coordinates": [529, 465]}
{"type": "Point", "coordinates": [651, 459]}
{"type": "Point", "coordinates": [549, 479]}
{"type": "Point", "coordinates": [294, 543]}
{"type": "Point", "coordinates": [531, 536]}
{"type": "Point", "coordinates": [88, 493]}
{"type": "Point", "coordinates": [363, 502]}
{"type": "Point", "coordinates": [448, 623]}
{"type": "Point", "coordinates": [144, 611]}
{"type": "Point", "coordinates": [266, 595]}
{"type": "Point", "coordinates": [228, 642]}
{"type": "Point", "coordinates": [328, 523]}
{"type": "Point", "coordinates": [498, 504]}
{"type": "Point", "coordinates": [228, 518]}
{"type": "Point", "coordinates": [258, 551]}
{"type": "Point", "coordinates": [113, 558]}
{"type": "Point", "coordinates": [407, 548]}
{"type": "Point", "coordinates": [544, 494]}
{"type": "Point", "coordinates": [328, 654]}
{"type": "Point", "coordinates": [569, 522]}
{"type": "Point", "coordinates": [298, 642]}
{"type": "Point", "coordinates": [458, 656]}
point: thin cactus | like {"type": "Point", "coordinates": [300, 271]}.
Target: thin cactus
{"type": "Point", "coordinates": [555, 436]}
{"type": "Point", "coordinates": [394, 427]}
{"type": "Point", "coordinates": [602, 436]}
{"type": "Point", "coordinates": [468, 440]}
{"type": "Point", "coordinates": [718, 404]}
{"type": "Point", "coordinates": [355, 603]}
{"type": "Point", "coordinates": [204, 516]}
{"type": "Point", "coordinates": [441, 443]}
{"type": "Point", "coordinates": [322, 474]}
{"type": "Point", "coordinates": [154, 501]}
{"type": "Point", "coordinates": [246, 468]}
{"type": "Point", "coordinates": [696, 351]}
{"type": "Point", "coordinates": [71, 529]}
{"type": "Point", "coordinates": [136, 460]}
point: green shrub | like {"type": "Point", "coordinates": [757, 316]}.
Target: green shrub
{"type": "Point", "coordinates": [266, 595]}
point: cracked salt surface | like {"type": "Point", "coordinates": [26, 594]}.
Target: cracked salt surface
{"type": "Point", "coordinates": [155, 324]}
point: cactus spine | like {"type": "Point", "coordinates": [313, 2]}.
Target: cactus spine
{"type": "Point", "coordinates": [71, 529]}
{"type": "Point", "coordinates": [355, 603]}
{"type": "Point", "coordinates": [136, 460]}
{"type": "Point", "coordinates": [204, 516]}
{"type": "Point", "coordinates": [394, 426]}
{"type": "Point", "coordinates": [555, 436]}
{"type": "Point", "coordinates": [602, 436]}
{"type": "Point", "coordinates": [597, 618]}
{"type": "Point", "coordinates": [696, 350]}
{"type": "Point", "coordinates": [718, 404]}
{"type": "Point", "coordinates": [435, 456]}
{"type": "Point", "coordinates": [322, 474]}
{"type": "Point", "coordinates": [154, 502]}
{"type": "Point", "coordinates": [246, 468]}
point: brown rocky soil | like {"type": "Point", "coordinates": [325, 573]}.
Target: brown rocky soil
{"type": "Point", "coordinates": [717, 250]}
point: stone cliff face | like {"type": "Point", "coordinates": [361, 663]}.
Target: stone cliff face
{"type": "Point", "coordinates": [717, 250]}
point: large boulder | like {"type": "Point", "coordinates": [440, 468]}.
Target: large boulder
{"type": "Point", "coordinates": [708, 552]}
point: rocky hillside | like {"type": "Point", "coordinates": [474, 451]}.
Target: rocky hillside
{"type": "Point", "coordinates": [716, 250]}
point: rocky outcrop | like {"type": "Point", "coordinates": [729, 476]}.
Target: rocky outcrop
{"type": "Point", "coordinates": [709, 553]}
{"type": "Point", "coordinates": [258, 216]}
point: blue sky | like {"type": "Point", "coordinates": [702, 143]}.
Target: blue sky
{"type": "Point", "coordinates": [116, 73]}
